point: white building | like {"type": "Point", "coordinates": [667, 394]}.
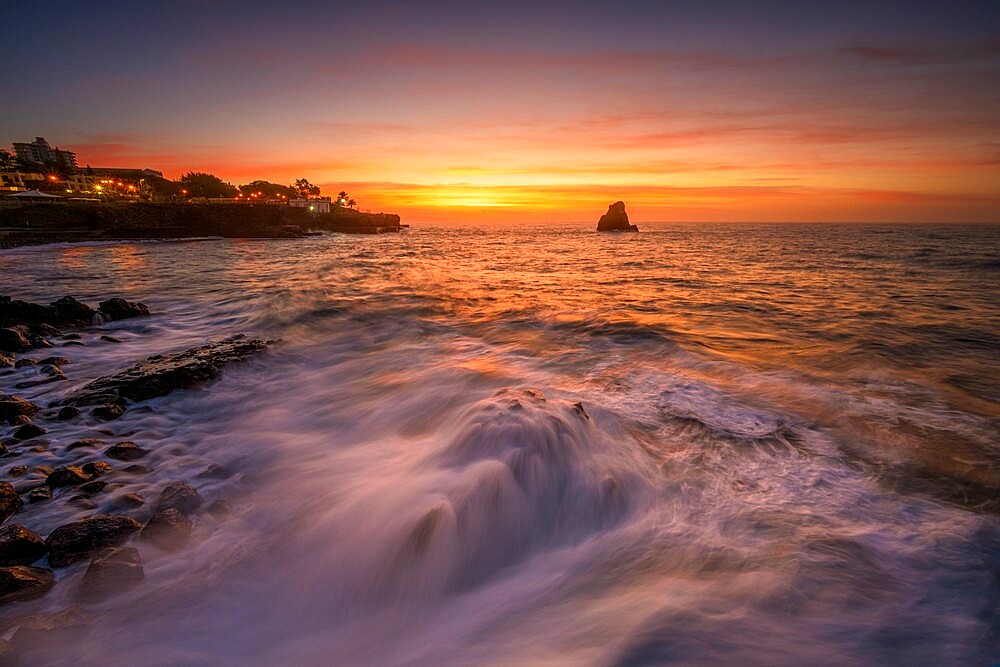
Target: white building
{"type": "Point", "coordinates": [317, 205]}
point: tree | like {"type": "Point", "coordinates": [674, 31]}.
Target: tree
{"type": "Point", "coordinates": [341, 197]}
{"type": "Point", "coordinates": [200, 184]}
{"type": "Point", "coordinates": [268, 190]}
{"type": "Point", "coordinates": [161, 189]}
{"type": "Point", "coordinates": [351, 203]}
{"type": "Point", "coordinates": [7, 161]}
{"type": "Point", "coordinates": [303, 188]}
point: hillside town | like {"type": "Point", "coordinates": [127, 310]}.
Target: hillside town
{"type": "Point", "coordinates": [38, 172]}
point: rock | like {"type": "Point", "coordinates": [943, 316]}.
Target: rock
{"type": "Point", "coordinates": [28, 431]}
{"type": "Point", "coordinates": [108, 412]}
{"type": "Point", "coordinates": [120, 309]}
{"type": "Point", "coordinates": [95, 486]}
{"type": "Point", "coordinates": [68, 412]}
{"type": "Point", "coordinates": [40, 494]}
{"type": "Point", "coordinates": [220, 508]}
{"type": "Point", "coordinates": [75, 343]}
{"type": "Point", "coordinates": [125, 451]}
{"type": "Point", "coordinates": [84, 443]}
{"type": "Point", "coordinates": [214, 471]}
{"type": "Point", "coordinates": [96, 468]}
{"type": "Point", "coordinates": [72, 336]}
{"type": "Point", "coordinates": [7, 360]}
{"type": "Point", "coordinates": [179, 496]}
{"type": "Point", "coordinates": [74, 541]}
{"type": "Point", "coordinates": [54, 361]}
{"type": "Point", "coordinates": [67, 476]}
{"type": "Point", "coordinates": [42, 329]}
{"type": "Point", "coordinates": [20, 546]}
{"type": "Point", "coordinates": [10, 501]}
{"type": "Point", "coordinates": [12, 407]}
{"type": "Point", "coordinates": [23, 363]}
{"type": "Point", "coordinates": [168, 529]}
{"type": "Point", "coordinates": [12, 340]}
{"type": "Point", "coordinates": [39, 319]}
{"type": "Point", "coordinates": [42, 629]}
{"type": "Point", "coordinates": [39, 342]}
{"type": "Point", "coordinates": [110, 339]}
{"type": "Point", "coordinates": [71, 311]}
{"type": "Point", "coordinates": [159, 375]}
{"type": "Point", "coordinates": [8, 655]}
{"type": "Point", "coordinates": [129, 500]}
{"type": "Point", "coordinates": [43, 470]}
{"type": "Point", "coordinates": [616, 220]}
{"type": "Point", "coordinates": [111, 572]}
{"type": "Point", "coordinates": [18, 471]}
{"type": "Point", "coordinates": [136, 469]}
{"type": "Point", "coordinates": [22, 582]}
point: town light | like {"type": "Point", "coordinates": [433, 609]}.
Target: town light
{"type": "Point", "coordinates": [98, 187]}
{"type": "Point", "coordinates": [53, 178]}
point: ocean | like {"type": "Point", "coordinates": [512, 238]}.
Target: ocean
{"type": "Point", "coordinates": [699, 444]}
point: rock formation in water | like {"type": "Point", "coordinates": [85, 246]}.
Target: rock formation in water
{"type": "Point", "coordinates": [616, 220]}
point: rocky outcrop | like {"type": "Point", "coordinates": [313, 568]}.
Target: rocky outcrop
{"type": "Point", "coordinates": [12, 408]}
{"type": "Point", "coordinates": [22, 582]}
{"type": "Point", "coordinates": [120, 309]}
{"type": "Point", "coordinates": [616, 220]}
{"type": "Point", "coordinates": [19, 546]}
{"type": "Point", "coordinates": [159, 375]}
{"type": "Point", "coordinates": [75, 541]}
{"type": "Point", "coordinates": [12, 340]}
{"type": "Point", "coordinates": [38, 320]}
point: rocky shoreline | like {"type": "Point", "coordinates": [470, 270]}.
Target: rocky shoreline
{"type": "Point", "coordinates": [117, 519]}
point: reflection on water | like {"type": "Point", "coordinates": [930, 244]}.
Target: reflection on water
{"type": "Point", "coordinates": [716, 444]}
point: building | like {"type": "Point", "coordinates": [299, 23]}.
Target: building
{"type": "Point", "coordinates": [317, 205]}
{"type": "Point", "coordinates": [39, 152]}
{"type": "Point", "coordinates": [18, 181]}
{"type": "Point", "coordinates": [118, 172]}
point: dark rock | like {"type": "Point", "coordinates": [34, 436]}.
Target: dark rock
{"type": "Point", "coordinates": [96, 468]}
{"type": "Point", "coordinates": [109, 411]}
{"type": "Point", "coordinates": [221, 508]}
{"type": "Point", "coordinates": [43, 629]}
{"type": "Point", "coordinates": [12, 340]}
{"type": "Point", "coordinates": [111, 572]}
{"type": "Point", "coordinates": [12, 407]}
{"type": "Point", "coordinates": [54, 361]}
{"type": "Point", "coordinates": [10, 501]}
{"type": "Point", "coordinates": [40, 494]}
{"type": "Point", "coordinates": [616, 220]}
{"type": "Point", "coordinates": [72, 336]}
{"type": "Point", "coordinates": [19, 546]}
{"type": "Point", "coordinates": [179, 496]}
{"type": "Point", "coordinates": [84, 443]}
{"type": "Point", "coordinates": [39, 342]}
{"type": "Point", "coordinates": [129, 500]}
{"type": "Point", "coordinates": [95, 486]}
{"type": "Point", "coordinates": [214, 471]}
{"type": "Point", "coordinates": [68, 412]}
{"type": "Point", "coordinates": [71, 311]}
{"type": "Point", "coordinates": [125, 451]}
{"type": "Point", "coordinates": [39, 319]}
{"type": "Point", "coordinates": [161, 374]}
{"type": "Point", "coordinates": [72, 343]}
{"type": "Point", "coordinates": [43, 470]}
{"type": "Point", "coordinates": [22, 582]}
{"type": "Point", "coordinates": [18, 471]}
{"type": "Point", "coordinates": [28, 431]}
{"type": "Point", "coordinates": [120, 309]}
{"type": "Point", "coordinates": [168, 529]}
{"type": "Point", "coordinates": [7, 360]}
{"type": "Point", "coordinates": [110, 339]}
{"type": "Point", "coordinates": [20, 420]}
{"type": "Point", "coordinates": [74, 541]}
{"type": "Point", "coordinates": [67, 476]}
{"type": "Point", "coordinates": [53, 372]}
{"type": "Point", "coordinates": [23, 363]}
{"type": "Point", "coordinates": [42, 329]}
{"type": "Point", "coordinates": [136, 469]}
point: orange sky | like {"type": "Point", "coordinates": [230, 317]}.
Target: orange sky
{"type": "Point", "coordinates": [685, 114]}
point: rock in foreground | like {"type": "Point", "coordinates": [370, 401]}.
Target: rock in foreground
{"type": "Point", "coordinates": [75, 541]}
{"type": "Point", "coordinates": [616, 220]}
{"type": "Point", "coordinates": [111, 572]}
{"type": "Point", "coordinates": [24, 583]}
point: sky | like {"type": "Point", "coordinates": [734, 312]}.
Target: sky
{"type": "Point", "coordinates": [489, 111]}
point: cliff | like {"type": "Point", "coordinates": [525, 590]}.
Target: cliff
{"type": "Point", "coordinates": [616, 220]}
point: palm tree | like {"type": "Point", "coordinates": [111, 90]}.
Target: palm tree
{"type": "Point", "coordinates": [351, 203]}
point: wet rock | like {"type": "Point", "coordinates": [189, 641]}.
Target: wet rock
{"type": "Point", "coordinates": [125, 451]}
{"type": "Point", "coordinates": [10, 501]}
{"type": "Point", "coordinates": [136, 469]}
{"type": "Point", "coordinates": [72, 336]}
{"type": "Point", "coordinates": [39, 342]}
{"type": "Point", "coordinates": [96, 468]}
{"type": "Point", "coordinates": [42, 329]}
{"type": "Point", "coordinates": [61, 626]}
{"type": "Point", "coordinates": [43, 470]}
{"type": "Point", "coordinates": [129, 500]}
{"type": "Point", "coordinates": [8, 655]}
{"type": "Point", "coordinates": [54, 361]}
{"type": "Point", "coordinates": [68, 412]}
{"type": "Point", "coordinates": [22, 582]}
{"type": "Point", "coordinates": [23, 363]}
{"type": "Point", "coordinates": [214, 471]}
{"type": "Point", "coordinates": [179, 496]}
{"type": "Point", "coordinates": [220, 508]}
{"type": "Point", "coordinates": [71, 311]}
{"type": "Point", "coordinates": [161, 374]}
{"type": "Point", "coordinates": [19, 546]}
{"type": "Point", "coordinates": [112, 572]}
{"type": "Point", "coordinates": [18, 471]}
{"type": "Point", "coordinates": [74, 343]}
{"type": "Point", "coordinates": [67, 476]}
{"type": "Point", "coordinates": [108, 412]}
{"type": "Point", "coordinates": [84, 443]}
{"type": "Point", "coordinates": [12, 340]}
{"type": "Point", "coordinates": [168, 529]}
{"type": "Point", "coordinates": [120, 309]}
{"type": "Point", "coordinates": [95, 486]}
{"type": "Point", "coordinates": [616, 220]}
{"type": "Point", "coordinates": [12, 407]}
{"type": "Point", "coordinates": [40, 494]}
{"type": "Point", "coordinates": [7, 360]}
{"type": "Point", "coordinates": [28, 431]}
{"type": "Point", "coordinates": [110, 339]}
{"type": "Point", "coordinates": [74, 541]}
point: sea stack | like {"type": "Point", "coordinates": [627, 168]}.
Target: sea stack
{"type": "Point", "coordinates": [616, 220]}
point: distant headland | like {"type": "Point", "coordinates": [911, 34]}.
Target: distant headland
{"type": "Point", "coordinates": [616, 220]}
